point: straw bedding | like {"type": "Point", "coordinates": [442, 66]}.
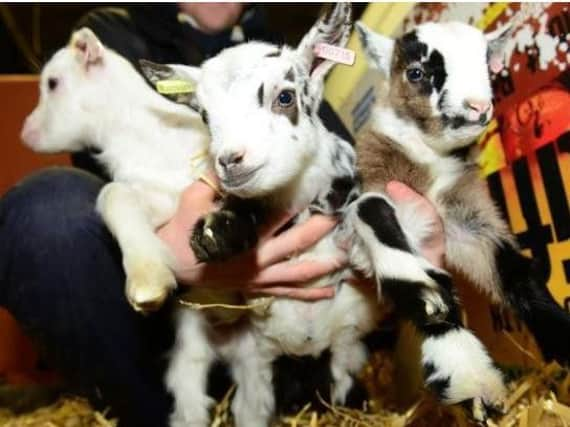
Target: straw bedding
{"type": "Point", "coordinates": [538, 397]}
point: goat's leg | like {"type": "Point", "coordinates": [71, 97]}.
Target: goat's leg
{"type": "Point", "coordinates": [254, 401]}
{"type": "Point", "coordinates": [348, 356]}
{"type": "Point", "coordinates": [187, 373]}
{"type": "Point", "coordinates": [382, 248]}
{"type": "Point", "coordinates": [228, 231]}
{"type": "Point", "coordinates": [457, 367]}
{"type": "Point", "coordinates": [146, 260]}
{"type": "Point", "coordinates": [456, 364]}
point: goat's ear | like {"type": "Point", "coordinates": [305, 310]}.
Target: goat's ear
{"type": "Point", "coordinates": [377, 48]}
{"type": "Point", "coordinates": [334, 29]}
{"type": "Point", "coordinates": [168, 72]}
{"type": "Point", "coordinates": [87, 47]}
{"type": "Point", "coordinates": [496, 41]}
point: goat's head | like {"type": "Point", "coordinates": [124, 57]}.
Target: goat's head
{"type": "Point", "coordinates": [260, 102]}
{"type": "Point", "coordinates": [438, 77]}
{"type": "Point", "coordinates": [80, 86]}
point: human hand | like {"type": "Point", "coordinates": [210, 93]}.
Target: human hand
{"type": "Point", "coordinates": [432, 247]}
{"type": "Point", "coordinates": [262, 270]}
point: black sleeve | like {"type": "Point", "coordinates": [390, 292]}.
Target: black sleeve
{"type": "Point", "coordinates": [115, 29]}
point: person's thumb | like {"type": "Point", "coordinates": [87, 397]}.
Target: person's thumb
{"type": "Point", "coordinates": [400, 192]}
{"type": "Point", "coordinates": [202, 192]}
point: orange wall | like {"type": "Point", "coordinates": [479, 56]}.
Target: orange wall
{"type": "Point", "coordinates": [18, 96]}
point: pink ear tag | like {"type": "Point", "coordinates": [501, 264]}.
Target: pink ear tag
{"type": "Point", "coordinates": [496, 64]}
{"type": "Point", "coordinates": [334, 53]}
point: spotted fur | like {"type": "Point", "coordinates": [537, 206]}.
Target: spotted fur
{"type": "Point", "coordinates": [270, 150]}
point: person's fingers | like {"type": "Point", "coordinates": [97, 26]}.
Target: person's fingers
{"type": "Point", "coordinates": [198, 194]}
{"type": "Point", "coordinates": [400, 192]}
{"type": "Point", "coordinates": [433, 245]}
{"type": "Point", "coordinates": [232, 274]}
{"type": "Point", "coordinates": [304, 294]}
{"type": "Point", "coordinates": [294, 240]}
{"type": "Point", "coordinates": [296, 272]}
{"type": "Point", "coordinates": [267, 231]}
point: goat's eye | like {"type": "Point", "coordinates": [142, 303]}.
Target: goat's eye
{"type": "Point", "coordinates": [415, 74]}
{"type": "Point", "coordinates": [204, 115]}
{"type": "Point", "coordinates": [52, 83]}
{"type": "Point", "coordinates": [286, 98]}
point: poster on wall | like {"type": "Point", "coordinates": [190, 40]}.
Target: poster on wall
{"type": "Point", "coordinates": [525, 152]}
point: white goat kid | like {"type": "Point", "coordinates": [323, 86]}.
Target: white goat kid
{"type": "Point", "coordinates": [270, 148]}
{"type": "Point", "coordinates": [91, 97]}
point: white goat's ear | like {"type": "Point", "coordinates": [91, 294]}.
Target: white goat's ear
{"type": "Point", "coordinates": [334, 29]}
{"type": "Point", "coordinates": [156, 73]}
{"type": "Point", "coordinates": [377, 48]}
{"type": "Point", "coordinates": [87, 47]}
{"type": "Point", "coordinates": [496, 41]}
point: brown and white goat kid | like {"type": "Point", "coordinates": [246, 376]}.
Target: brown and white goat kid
{"type": "Point", "coordinates": [91, 97]}
{"type": "Point", "coordinates": [270, 149]}
{"type": "Point", "coordinates": [438, 100]}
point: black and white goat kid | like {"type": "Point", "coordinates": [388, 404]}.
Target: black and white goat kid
{"type": "Point", "coordinates": [272, 152]}
{"type": "Point", "coordinates": [437, 100]}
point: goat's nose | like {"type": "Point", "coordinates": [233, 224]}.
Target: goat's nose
{"type": "Point", "coordinates": [230, 159]}
{"type": "Point", "coordinates": [478, 105]}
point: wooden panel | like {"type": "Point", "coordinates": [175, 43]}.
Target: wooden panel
{"type": "Point", "coordinates": [18, 97]}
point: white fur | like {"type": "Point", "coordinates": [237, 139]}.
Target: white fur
{"type": "Point", "coordinates": [293, 166]}
{"type": "Point", "coordinates": [449, 353]}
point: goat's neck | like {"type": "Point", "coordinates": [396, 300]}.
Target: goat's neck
{"type": "Point", "coordinates": [143, 123]}
{"type": "Point", "coordinates": [150, 140]}
{"type": "Point", "coordinates": [320, 171]}
{"type": "Point", "coordinates": [403, 132]}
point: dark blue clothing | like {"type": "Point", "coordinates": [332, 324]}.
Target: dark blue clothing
{"type": "Point", "coordinates": [61, 278]}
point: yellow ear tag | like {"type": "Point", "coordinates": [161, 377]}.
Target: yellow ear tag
{"type": "Point", "coordinates": [173, 87]}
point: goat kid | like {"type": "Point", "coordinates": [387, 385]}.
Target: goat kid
{"type": "Point", "coordinates": [437, 99]}
{"type": "Point", "coordinates": [91, 97]}
{"type": "Point", "coordinates": [271, 152]}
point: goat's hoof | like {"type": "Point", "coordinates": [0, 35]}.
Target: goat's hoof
{"type": "Point", "coordinates": [481, 410]}
{"type": "Point", "coordinates": [220, 235]}
{"type": "Point", "coordinates": [149, 285]}
{"type": "Point", "coordinates": [435, 308]}
{"type": "Point", "coordinates": [196, 414]}
{"type": "Point", "coordinates": [487, 390]}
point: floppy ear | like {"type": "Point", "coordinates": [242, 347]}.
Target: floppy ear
{"type": "Point", "coordinates": [496, 41]}
{"type": "Point", "coordinates": [377, 48]}
{"type": "Point", "coordinates": [183, 81]}
{"type": "Point", "coordinates": [87, 47]}
{"type": "Point", "coordinates": [334, 29]}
